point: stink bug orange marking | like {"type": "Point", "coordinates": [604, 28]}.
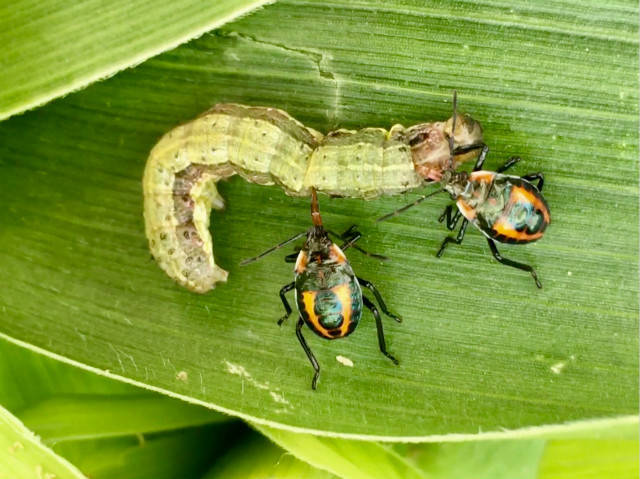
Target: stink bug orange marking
{"type": "Point", "coordinates": [329, 296]}
{"type": "Point", "coordinates": [509, 209]}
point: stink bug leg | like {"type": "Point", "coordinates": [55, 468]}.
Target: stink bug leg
{"type": "Point", "coordinates": [514, 264]}
{"type": "Point", "coordinates": [381, 342]}
{"type": "Point", "coordinates": [481, 158]}
{"type": "Point", "coordinates": [350, 236]}
{"type": "Point", "coordinates": [291, 258]}
{"type": "Point", "coordinates": [284, 290]}
{"type": "Point", "coordinates": [510, 162]}
{"type": "Point", "coordinates": [370, 286]}
{"type": "Point", "coordinates": [452, 220]}
{"type": "Point", "coordinates": [309, 353]}
{"type": "Point", "coordinates": [539, 177]}
{"type": "Point", "coordinates": [450, 239]}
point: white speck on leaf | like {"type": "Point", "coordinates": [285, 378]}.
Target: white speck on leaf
{"type": "Point", "coordinates": [558, 367]}
{"type": "Point", "coordinates": [279, 398]}
{"type": "Point", "coordinates": [344, 361]}
{"type": "Point", "coordinates": [182, 376]}
{"type": "Point", "coordinates": [241, 371]}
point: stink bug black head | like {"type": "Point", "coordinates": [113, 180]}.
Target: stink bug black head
{"type": "Point", "coordinates": [329, 296]}
{"type": "Point", "coordinates": [509, 209]}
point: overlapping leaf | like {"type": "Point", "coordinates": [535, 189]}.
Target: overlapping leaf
{"type": "Point", "coordinates": [51, 48]}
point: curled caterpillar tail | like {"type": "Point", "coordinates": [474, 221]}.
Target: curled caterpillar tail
{"type": "Point", "coordinates": [264, 145]}
{"type": "Point", "coordinates": [177, 208]}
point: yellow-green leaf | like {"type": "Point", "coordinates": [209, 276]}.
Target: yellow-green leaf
{"type": "Point", "coordinates": [53, 47]}
{"type": "Point", "coordinates": [22, 456]}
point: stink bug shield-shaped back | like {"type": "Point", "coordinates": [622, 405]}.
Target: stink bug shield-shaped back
{"type": "Point", "coordinates": [509, 209]}
{"type": "Point", "coordinates": [329, 295]}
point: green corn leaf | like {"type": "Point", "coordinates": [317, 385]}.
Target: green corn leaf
{"type": "Point", "coordinates": [483, 353]}
{"type": "Point", "coordinates": [27, 379]}
{"type": "Point", "coordinates": [52, 47]}
{"type": "Point", "coordinates": [23, 456]}
{"type": "Point", "coordinates": [108, 428]}
{"type": "Point", "coordinates": [526, 459]}
{"type": "Point", "coordinates": [67, 418]}
{"type": "Point", "coordinates": [258, 458]}
{"type": "Point", "coordinates": [590, 459]}
{"type": "Point", "coordinates": [63, 403]}
{"type": "Point", "coordinates": [185, 453]}
{"type": "Point", "coordinates": [490, 459]}
{"type": "Point", "coordinates": [345, 458]}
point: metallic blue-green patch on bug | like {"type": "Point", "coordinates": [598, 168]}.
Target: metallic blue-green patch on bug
{"type": "Point", "coordinates": [329, 295]}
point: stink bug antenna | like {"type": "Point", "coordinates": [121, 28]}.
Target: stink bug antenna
{"type": "Point", "coordinates": [272, 249]}
{"type": "Point", "coordinates": [410, 205]}
{"type": "Point", "coordinates": [453, 128]}
{"type": "Point", "coordinates": [315, 211]}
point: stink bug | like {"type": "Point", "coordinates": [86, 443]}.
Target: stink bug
{"type": "Point", "coordinates": [509, 209]}
{"type": "Point", "coordinates": [329, 297]}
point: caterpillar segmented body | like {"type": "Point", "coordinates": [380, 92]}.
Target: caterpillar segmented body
{"type": "Point", "coordinates": [267, 146]}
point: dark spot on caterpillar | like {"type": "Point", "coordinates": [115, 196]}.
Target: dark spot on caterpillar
{"type": "Point", "coordinates": [186, 235]}
{"type": "Point", "coordinates": [153, 242]}
{"type": "Point", "coordinates": [264, 133]}
{"type": "Point", "coordinates": [213, 124]}
{"type": "Point", "coordinates": [171, 251]}
{"type": "Point", "coordinates": [185, 273]}
{"type": "Point", "coordinates": [403, 149]}
{"type": "Point", "coordinates": [419, 138]}
{"type": "Point", "coordinates": [176, 155]}
{"type": "Point", "coordinates": [167, 218]}
{"type": "Point", "coordinates": [163, 236]}
{"type": "Point", "coordinates": [213, 150]}
{"type": "Point", "coordinates": [199, 259]}
{"type": "Point", "coordinates": [188, 259]}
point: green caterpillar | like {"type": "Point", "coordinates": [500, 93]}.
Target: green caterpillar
{"type": "Point", "coordinates": [267, 146]}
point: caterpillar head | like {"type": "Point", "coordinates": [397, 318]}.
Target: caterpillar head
{"type": "Point", "coordinates": [468, 131]}
{"type": "Point", "coordinates": [429, 143]}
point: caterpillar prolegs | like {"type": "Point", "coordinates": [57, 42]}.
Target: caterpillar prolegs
{"type": "Point", "coordinates": [267, 146]}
